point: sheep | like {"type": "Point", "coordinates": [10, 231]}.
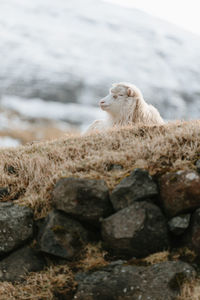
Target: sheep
{"type": "Point", "coordinates": [125, 105]}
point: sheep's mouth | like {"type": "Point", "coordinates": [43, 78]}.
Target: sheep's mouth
{"type": "Point", "coordinates": [104, 107]}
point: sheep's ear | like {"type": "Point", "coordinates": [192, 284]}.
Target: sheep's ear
{"type": "Point", "coordinates": [130, 92]}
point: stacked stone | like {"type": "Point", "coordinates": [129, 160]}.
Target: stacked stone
{"type": "Point", "coordinates": [139, 217]}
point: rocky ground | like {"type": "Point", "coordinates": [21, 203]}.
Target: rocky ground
{"type": "Point", "coordinates": [140, 217]}
{"type": "Point", "coordinates": [137, 240]}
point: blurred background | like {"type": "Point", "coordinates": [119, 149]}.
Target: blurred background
{"type": "Point", "coordinates": [58, 58]}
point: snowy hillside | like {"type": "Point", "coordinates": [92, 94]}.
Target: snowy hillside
{"type": "Point", "coordinates": [71, 51]}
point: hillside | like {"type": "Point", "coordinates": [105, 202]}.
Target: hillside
{"type": "Point", "coordinates": [29, 173]}
{"type": "Point", "coordinates": [160, 58]}
{"type": "Point", "coordinates": [37, 166]}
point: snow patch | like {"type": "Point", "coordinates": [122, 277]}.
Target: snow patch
{"type": "Point", "coordinates": [6, 141]}
{"type": "Point", "coordinates": [71, 51]}
{"type": "Point", "coordinates": [38, 108]}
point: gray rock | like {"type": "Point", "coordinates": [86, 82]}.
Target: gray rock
{"type": "Point", "coordinates": [137, 230]}
{"type": "Point", "coordinates": [179, 224]}
{"type": "Point", "coordinates": [193, 235]}
{"type": "Point", "coordinates": [138, 186]}
{"type": "Point", "coordinates": [198, 165]}
{"type": "Point", "coordinates": [16, 226]}
{"type": "Point", "coordinates": [62, 236]}
{"type": "Point", "coordinates": [85, 199]}
{"type": "Point", "coordinates": [157, 282]}
{"type": "Point", "coordinates": [114, 167]}
{"type": "Point", "coordinates": [19, 263]}
{"type": "Point", "coordinates": [180, 192]}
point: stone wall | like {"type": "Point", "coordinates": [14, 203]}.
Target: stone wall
{"type": "Point", "coordinates": [141, 216]}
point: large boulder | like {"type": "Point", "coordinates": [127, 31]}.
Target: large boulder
{"type": "Point", "coordinates": [157, 282]}
{"type": "Point", "coordinates": [19, 263]}
{"type": "Point", "coordinates": [137, 230]}
{"type": "Point", "coordinates": [84, 199]}
{"type": "Point", "coordinates": [139, 185]}
{"type": "Point", "coordinates": [62, 236]}
{"type": "Point", "coordinates": [16, 226]}
{"type": "Point", "coordinates": [180, 192]}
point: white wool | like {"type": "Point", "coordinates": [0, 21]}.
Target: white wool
{"type": "Point", "coordinates": [125, 105]}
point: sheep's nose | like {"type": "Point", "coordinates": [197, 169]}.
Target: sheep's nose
{"type": "Point", "coordinates": [102, 102]}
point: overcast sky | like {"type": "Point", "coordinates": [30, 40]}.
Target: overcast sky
{"type": "Point", "coordinates": [184, 13]}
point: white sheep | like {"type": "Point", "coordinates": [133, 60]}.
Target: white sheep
{"type": "Point", "coordinates": [125, 105]}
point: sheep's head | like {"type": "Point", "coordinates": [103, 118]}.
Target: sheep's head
{"type": "Point", "coordinates": [121, 97]}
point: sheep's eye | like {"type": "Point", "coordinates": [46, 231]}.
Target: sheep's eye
{"type": "Point", "coordinates": [121, 95]}
{"type": "Point", "coordinates": [115, 96]}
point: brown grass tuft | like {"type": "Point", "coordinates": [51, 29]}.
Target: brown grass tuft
{"type": "Point", "coordinates": [39, 165]}
{"type": "Point", "coordinates": [45, 285]}
{"type": "Point", "coordinates": [92, 257]}
{"type": "Point", "coordinates": [184, 254]}
{"type": "Point", "coordinates": [156, 258]}
{"type": "Point", "coordinates": [190, 290]}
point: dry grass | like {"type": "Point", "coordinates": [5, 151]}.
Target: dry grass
{"type": "Point", "coordinates": [190, 290]}
{"type": "Point", "coordinates": [183, 253]}
{"type": "Point", "coordinates": [54, 281]}
{"type": "Point", "coordinates": [44, 285]}
{"type": "Point", "coordinates": [156, 258]}
{"type": "Point", "coordinates": [38, 166]}
{"type": "Point", "coordinates": [93, 257]}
